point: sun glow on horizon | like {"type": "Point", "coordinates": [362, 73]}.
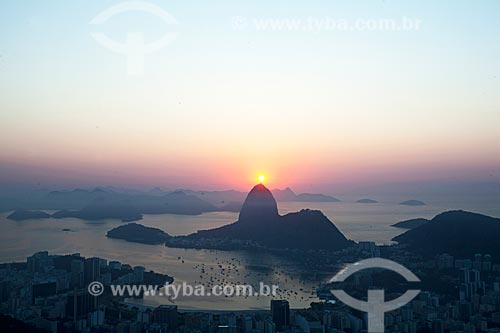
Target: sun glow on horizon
{"type": "Point", "coordinates": [262, 178]}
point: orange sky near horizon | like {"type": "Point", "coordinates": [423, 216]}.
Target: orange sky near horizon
{"type": "Point", "coordinates": [220, 106]}
{"type": "Point", "coordinates": [222, 170]}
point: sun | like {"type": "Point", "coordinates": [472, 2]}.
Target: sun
{"type": "Point", "coordinates": [262, 178]}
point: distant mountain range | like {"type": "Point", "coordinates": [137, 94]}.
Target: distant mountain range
{"type": "Point", "coordinates": [85, 201]}
{"type": "Point", "coordinates": [121, 210]}
{"type": "Point", "coordinates": [100, 205]}
{"type": "Point", "coordinates": [130, 205]}
{"type": "Point", "coordinates": [458, 233]}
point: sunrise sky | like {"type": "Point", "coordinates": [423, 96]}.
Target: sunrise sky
{"type": "Point", "coordinates": [222, 104]}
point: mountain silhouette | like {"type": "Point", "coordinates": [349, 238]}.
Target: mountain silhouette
{"type": "Point", "coordinates": [259, 206]}
{"type": "Point", "coordinates": [458, 233]}
{"type": "Point", "coordinates": [410, 224]}
{"type": "Point", "coordinates": [259, 221]}
{"type": "Point", "coordinates": [284, 195]}
{"type": "Point", "coordinates": [313, 197]}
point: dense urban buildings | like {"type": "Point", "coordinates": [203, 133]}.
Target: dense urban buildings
{"type": "Point", "coordinates": [49, 293]}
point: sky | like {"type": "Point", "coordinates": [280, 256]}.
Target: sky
{"type": "Point", "coordinates": [244, 88]}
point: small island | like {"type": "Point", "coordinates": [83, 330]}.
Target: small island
{"type": "Point", "coordinates": [366, 201]}
{"type": "Point", "coordinates": [138, 233]}
{"type": "Point", "coordinates": [21, 215]}
{"type": "Point", "coordinates": [412, 203]}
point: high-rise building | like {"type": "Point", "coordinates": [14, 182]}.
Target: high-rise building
{"type": "Point", "coordinates": [166, 314]}
{"type": "Point", "coordinates": [474, 276]}
{"type": "Point", "coordinates": [92, 269]}
{"type": "Point", "coordinates": [227, 329]}
{"type": "Point", "coordinates": [465, 311]}
{"type": "Point", "coordinates": [43, 289]}
{"type": "Point", "coordinates": [406, 313]}
{"type": "Point", "coordinates": [280, 311]}
{"type": "Point", "coordinates": [40, 262]}
{"type": "Point", "coordinates": [438, 326]}
{"type": "Point", "coordinates": [269, 326]}
{"type": "Point", "coordinates": [77, 273]}
{"type": "Point", "coordinates": [79, 304]}
{"type": "Point", "coordinates": [247, 324]}
{"type": "Point", "coordinates": [156, 328]}
{"type": "Point", "coordinates": [115, 265]}
{"type": "Point", "coordinates": [139, 274]}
